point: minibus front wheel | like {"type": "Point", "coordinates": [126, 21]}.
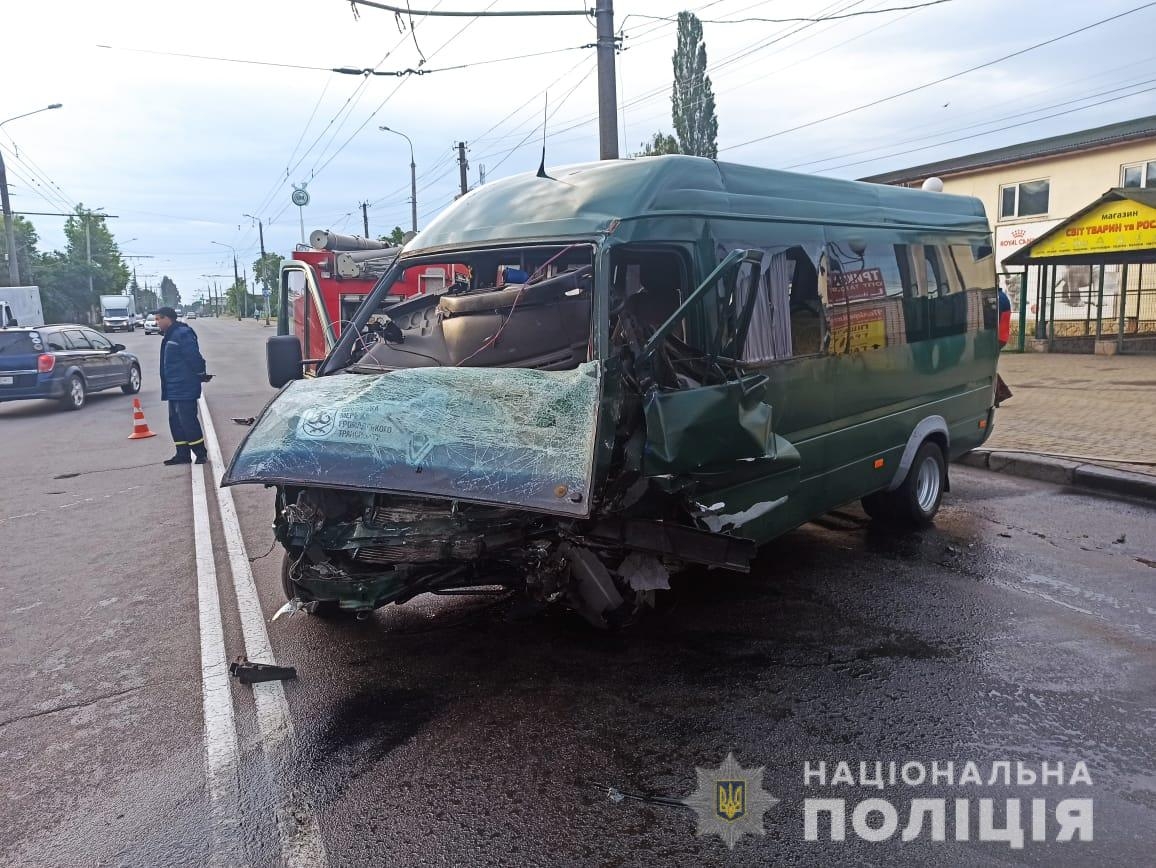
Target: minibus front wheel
{"type": "Point", "coordinates": [916, 501]}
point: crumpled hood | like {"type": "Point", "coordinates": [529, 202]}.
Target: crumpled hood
{"type": "Point", "coordinates": [506, 436]}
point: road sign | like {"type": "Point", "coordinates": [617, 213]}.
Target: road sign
{"type": "Point", "coordinates": [300, 197]}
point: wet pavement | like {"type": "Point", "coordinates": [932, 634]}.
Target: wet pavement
{"type": "Point", "coordinates": [462, 730]}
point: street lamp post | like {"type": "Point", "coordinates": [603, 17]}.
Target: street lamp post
{"type": "Point", "coordinates": [412, 177]}
{"type": "Point", "coordinates": [6, 205]}
{"type": "Point", "coordinates": [236, 275]}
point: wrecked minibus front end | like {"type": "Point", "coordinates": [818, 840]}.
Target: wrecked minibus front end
{"type": "Point", "coordinates": [395, 481]}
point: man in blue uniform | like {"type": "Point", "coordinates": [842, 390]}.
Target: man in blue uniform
{"type": "Point", "coordinates": [182, 372]}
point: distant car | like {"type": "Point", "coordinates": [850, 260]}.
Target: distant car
{"type": "Point", "coordinates": [63, 362]}
{"type": "Point", "coordinates": [192, 314]}
{"type": "Point", "coordinates": [150, 325]}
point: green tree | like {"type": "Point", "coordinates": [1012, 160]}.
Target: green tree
{"type": "Point", "coordinates": [148, 300]}
{"type": "Point", "coordinates": [235, 298]}
{"type": "Point", "coordinates": [108, 271]}
{"type": "Point", "coordinates": [64, 288]}
{"type": "Point", "coordinates": [26, 252]}
{"type": "Point", "coordinates": [267, 278]}
{"type": "Point", "coordinates": [170, 295]}
{"type": "Point", "coordinates": [660, 143]}
{"type": "Point", "coordinates": [692, 101]}
{"type": "Point", "coordinates": [396, 238]}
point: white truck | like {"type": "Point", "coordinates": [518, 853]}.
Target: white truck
{"type": "Point", "coordinates": [20, 305]}
{"type": "Point", "coordinates": [118, 313]}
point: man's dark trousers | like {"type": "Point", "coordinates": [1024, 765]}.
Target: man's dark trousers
{"type": "Point", "coordinates": [186, 428]}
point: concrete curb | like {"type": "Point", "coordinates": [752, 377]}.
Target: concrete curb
{"type": "Point", "coordinates": [1060, 471]}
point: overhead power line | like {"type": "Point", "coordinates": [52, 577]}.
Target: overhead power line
{"type": "Point", "coordinates": [319, 167]}
{"type": "Point", "coordinates": [760, 44]}
{"type": "Point", "coordinates": [794, 20]}
{"type": "Point", "coordinates": [356, 70]}
{"type": "Point", "coordinates": [219, 59]}
{"type": "Point", "coordinates": [909, 150]}
{"type": "Point", "coordinates": [765, 73]}
{"type": "Point", "coordinates": [446, 13]}
{"type": "Point", "coordinates": [928, 84]}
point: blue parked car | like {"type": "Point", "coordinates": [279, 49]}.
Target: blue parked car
{"type": "Point", "coordinates": [64, 362]}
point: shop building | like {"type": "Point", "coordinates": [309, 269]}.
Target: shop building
{"type": "Point", "coordinates": [1032, 188]}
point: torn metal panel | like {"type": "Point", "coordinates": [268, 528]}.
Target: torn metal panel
{"type": "Point", "coordinates": [697, 429]}
{"type": "Point", "coordinates": [505, 436]}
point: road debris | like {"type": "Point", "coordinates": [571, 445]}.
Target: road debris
{"type": "Point", "coordinates": [248, 672]}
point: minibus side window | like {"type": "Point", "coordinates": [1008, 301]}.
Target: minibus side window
{"type": "Point", "coordinates": [947, 304]}
{"type": "Point", "coordinates": [787, 317]}
{"type": "Point", "coordinates": [976, 268]}
{"type": "Point", "coordinates": [865, 284]}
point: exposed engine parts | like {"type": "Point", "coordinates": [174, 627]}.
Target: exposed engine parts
{"type": "Point", "coordinates": [357, 551]}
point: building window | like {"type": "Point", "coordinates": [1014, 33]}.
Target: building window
{"type": "Point", "coordinates": [1027, 199]}
{"type": "Point", "coordinates": [1139, 175]}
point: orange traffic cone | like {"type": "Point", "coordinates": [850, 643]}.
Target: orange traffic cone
{"type": "Point", "coordinates": [140, 428]}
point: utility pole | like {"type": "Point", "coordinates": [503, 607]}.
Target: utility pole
{"type": "Point", "coordinates": [365, 218]}
{"type": "Point", "coordinates": [136, 294]}
{"type": "Point", "coordinates": [236, 274]}
{"type": "Point", "coordinates": [6, 205]}
{"type": "Point", "coordinates": [9, 227]}
{"type": "Point", "coordinates": [412, 192]}
{"type": "Point", "coordinates": [606, 46]}
{"type": "Point", "coordinates": [261, 235]}
{"type": "Point", "coordinates": [463, 167]}
{"type": "Point", "coordinates": [607, 89]}
{"type": "Point", "coordinates": [88, 251]}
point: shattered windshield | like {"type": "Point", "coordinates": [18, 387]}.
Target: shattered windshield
{"type": "Point", "coordinates": [525, 307]}
{"type": "Point", "coordinates": [505, 436]}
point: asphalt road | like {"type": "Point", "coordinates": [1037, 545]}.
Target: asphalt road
{"type": "Point", "coordinates": [453, 731]}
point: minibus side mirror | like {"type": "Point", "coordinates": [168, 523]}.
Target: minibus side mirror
{"type": "Point", "coordinates": [283, 359]}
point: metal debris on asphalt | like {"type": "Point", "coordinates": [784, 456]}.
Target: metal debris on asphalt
{"type": "Point", "coordinates": [248, 672]}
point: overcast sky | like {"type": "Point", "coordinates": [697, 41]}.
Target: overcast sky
{"type": "Point", "coordinates": [182, 148]}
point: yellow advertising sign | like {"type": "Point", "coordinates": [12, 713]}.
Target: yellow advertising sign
{"type": "Point", "coordinates": [1113, 227]}
{"type": "Point", "coordinates": [861, 330]}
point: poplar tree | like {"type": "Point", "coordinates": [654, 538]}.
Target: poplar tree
{"type": "Point", "coordinates": [692, 102]}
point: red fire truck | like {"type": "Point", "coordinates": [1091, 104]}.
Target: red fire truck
{"type": "Point", "coordinates": [326, 284]}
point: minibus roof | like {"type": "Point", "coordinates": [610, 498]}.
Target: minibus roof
{"type": "Point", "coordinates": [679, 192]}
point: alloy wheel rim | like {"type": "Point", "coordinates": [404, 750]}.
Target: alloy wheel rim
{"type": "Point", "coordinates": [134, 378]}
{"type": "Point", "coordinates": [77, 393]}
{"type": "Point", "coordinates": [927, 484]}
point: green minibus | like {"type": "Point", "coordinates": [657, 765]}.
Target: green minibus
{"type": "Point", "coordinates": [643, 365]}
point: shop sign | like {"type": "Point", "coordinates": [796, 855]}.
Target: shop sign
{"type": "Point", "coordinates": [1121, 226]}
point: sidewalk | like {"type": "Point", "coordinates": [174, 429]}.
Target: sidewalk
{"type": "Point", "coordinates": [1099, 409]}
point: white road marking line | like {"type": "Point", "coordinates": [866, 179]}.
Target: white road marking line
{"type": "Point", "coordinates": [221, 752]}
{"type": "Point", "coordinates": [93, 499]}
{"type": "Point", "coordinates": [301, 843]}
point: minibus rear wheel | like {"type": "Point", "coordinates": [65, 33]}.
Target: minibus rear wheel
{"type": "Point", "coordinates": [916, 501]}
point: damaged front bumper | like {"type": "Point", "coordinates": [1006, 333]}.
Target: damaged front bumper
{"type": "Point", "coordinates": [357, 551]}
{"type": "Point", "coordinates": [437, 479]}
